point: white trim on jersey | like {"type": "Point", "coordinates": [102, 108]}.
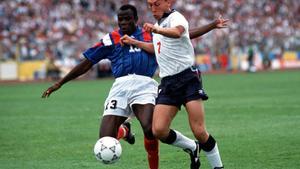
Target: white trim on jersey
{"type": "Point", "coordinates": [106, 40]}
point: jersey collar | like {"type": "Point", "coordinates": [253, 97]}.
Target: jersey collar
{"type": "Point", "coordinates": [165, 15]}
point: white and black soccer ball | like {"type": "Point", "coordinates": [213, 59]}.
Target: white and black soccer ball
{"type": "Point", "coordinates": [108, 150]}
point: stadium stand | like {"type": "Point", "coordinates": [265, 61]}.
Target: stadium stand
{"type": "Point", "coordinates": [62, 29]}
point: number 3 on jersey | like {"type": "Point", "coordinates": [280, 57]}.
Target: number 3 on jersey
{"type": "Point", "coordinates": [159, 45]}
{"type": "Point", "coordinates": [111, 104]}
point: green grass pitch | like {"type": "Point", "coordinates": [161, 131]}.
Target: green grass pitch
{"type": "Point", "coordinates": [254, 117]}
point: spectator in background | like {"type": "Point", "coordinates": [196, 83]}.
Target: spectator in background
{"type": "Point", "coordinates": [68, 24]}
{"type": "Point", "coordinates": [52, 71]}
{"type": "Point", "coordinates": [250, 59]}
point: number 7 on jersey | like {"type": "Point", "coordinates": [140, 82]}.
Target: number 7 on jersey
{"type": "Point", "coordinates": [159, 45]}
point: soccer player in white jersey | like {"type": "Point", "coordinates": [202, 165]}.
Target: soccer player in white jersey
{"type": "Point", "coordinates": [180, 85]}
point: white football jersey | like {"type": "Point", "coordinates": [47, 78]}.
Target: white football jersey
{"type": "Point", "coordinates": [173, 54]}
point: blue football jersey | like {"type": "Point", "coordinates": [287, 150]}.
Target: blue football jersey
{"type": "Point", "coordinates": [125, 59]}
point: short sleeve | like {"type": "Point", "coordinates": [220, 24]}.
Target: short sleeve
{"type": "Point", "coordinates": [100, 50]}
{"type": "Point", "coordinates": [178, 19]}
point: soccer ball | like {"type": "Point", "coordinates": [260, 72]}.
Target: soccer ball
{"type": "Point", "coordinates": [108, 150]}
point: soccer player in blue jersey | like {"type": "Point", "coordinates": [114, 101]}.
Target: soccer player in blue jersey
{"type": "Point", "coordinates": [134, 91]}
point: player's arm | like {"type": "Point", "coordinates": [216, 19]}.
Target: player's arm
{"type": "Point", "coordinates": [147, 46]}
{"type": "Point", "coordinates": [78, 70]}
{"type": "Point", "coordinates": [174, 32]}
{"type": "Point", "coordinates": [216, 24]}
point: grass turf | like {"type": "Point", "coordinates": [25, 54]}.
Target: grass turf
{"type": "Point", "coordinates": [254, 117]}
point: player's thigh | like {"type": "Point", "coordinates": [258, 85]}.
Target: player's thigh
{"type": "Point", "coordinates": [162, 118]}
{"type": "Point", "coordinates": [110, 124]}
{"type": "Point", "coordinates": [195, 110]}
{"type": "Point", "coordinates": [144, 113]}
{"type": "Point", "coordinates": [142, 106]}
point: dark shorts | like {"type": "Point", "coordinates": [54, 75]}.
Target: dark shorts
{"type": "Point", "coordinates": [181, 88]}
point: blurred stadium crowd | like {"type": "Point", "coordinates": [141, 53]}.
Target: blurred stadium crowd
{"type": "Point", "coordinates": [63, 29]}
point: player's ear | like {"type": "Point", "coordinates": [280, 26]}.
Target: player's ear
{"type": "Point", "coordinates": [170, 3]}
{"type": "Point", "coordinates": [136, 18]}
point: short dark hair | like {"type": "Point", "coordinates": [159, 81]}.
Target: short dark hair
{"type": "Point", "coordinates": [132, 8]}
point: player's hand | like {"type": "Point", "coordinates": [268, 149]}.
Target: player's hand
{"type": "Point", "coordinates": [150, 28]}
{"type": "Point", "coordinates": [126, 40]}
{"type": "Point", "coordinates": [221, 22]}
{"type": "Point", "coordinates": [51, 89]}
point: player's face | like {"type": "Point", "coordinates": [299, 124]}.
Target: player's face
{"type": "Point", "coordinates": [126, 22]}
{"type": "Point", "coordinates": [159, 7]}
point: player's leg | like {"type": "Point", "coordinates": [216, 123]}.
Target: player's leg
{"type": "Point", "coordinates": [110, 124]}
{"type": "Point", "coordinates": [195, 109]}
{"type": "Point", "coordinates": [144, 114]}
{"type": "Point", "coordinates": [162, 118]}
{"type": "Point", "coordinates": [142, 100]}
{"type": "Point", "coordinates": [125, 131]}
{"type": "Point", "coordinates": [170, 98]}
{"type": "Point", "coordinates": [116, 111]}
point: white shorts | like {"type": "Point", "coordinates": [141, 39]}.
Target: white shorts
{"type": "Point", "coordinates": [129, 90]}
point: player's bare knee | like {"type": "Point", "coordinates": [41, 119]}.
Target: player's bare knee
{"type": "Point", "coordinates": [159, 133]}
{"type": "Point", "coordinates": [201, 134]}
